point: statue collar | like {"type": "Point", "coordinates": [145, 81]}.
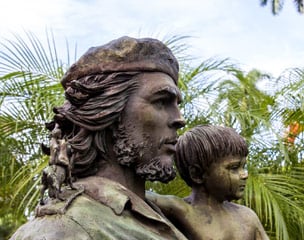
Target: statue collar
{"type": "Point", "coordinates": [118, 197]}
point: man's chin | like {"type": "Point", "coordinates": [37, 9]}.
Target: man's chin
{"type": "Point", "coordinates": [158, 169]}
{"type": "Point", "coordinates": [161, 178]}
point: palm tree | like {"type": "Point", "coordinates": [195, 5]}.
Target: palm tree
{"type": "Point", "coordinates": [277, 5]}
{"type": "Point", "coordinates": [29, 88]}
{"type": "Point", "coordinates": [242, 104]}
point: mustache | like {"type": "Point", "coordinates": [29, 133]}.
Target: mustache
{"type": "Point", "coordinates": [167, 140]}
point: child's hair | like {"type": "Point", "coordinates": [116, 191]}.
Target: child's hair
{"type": "Point", "coordinates": [205, 144]}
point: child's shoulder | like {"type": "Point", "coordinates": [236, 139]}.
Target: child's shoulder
{"type": "Point", "coordinates": [237, 207]}
{"type": "Point", "coordinates": [246, 215]}
{"type": "Point", "coordinates": [242, 211]}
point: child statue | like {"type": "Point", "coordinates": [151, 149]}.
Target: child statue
{"type": "Point", "coordinates": [211, 160]}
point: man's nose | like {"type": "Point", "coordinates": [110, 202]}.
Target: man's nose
{"type": "Point", "coordinates": [177, 121]}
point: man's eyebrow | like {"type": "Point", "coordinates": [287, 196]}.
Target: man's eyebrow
{"type": "Point", "coordinates": [174, 92]}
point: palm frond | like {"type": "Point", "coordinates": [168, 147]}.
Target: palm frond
{"type": "Point", "coordinates": [271, 195]}
{"type": "Point", "coordinates": [29, 89]}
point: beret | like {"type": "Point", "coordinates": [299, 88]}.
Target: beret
{"type": "Point", "coordinates": [124, 54]}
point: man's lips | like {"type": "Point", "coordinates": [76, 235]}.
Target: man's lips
{"type": "Point", "coordinates": [171, 141]}
{"type": "Point", "coordinates": [168, 143]}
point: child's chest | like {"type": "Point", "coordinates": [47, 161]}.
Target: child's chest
{"type": "Point", "coordinates": [220, 227]}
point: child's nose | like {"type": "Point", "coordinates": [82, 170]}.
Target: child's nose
{"type": "Point", "coordinates": [244, 174]}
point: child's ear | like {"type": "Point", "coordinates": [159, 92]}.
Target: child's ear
{"type": "Point", "coordinates": [196, 173]}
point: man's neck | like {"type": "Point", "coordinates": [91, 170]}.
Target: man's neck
{"type": "Point", "coordinates": [124, 175]}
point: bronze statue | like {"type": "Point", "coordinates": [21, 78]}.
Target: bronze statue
{"type": "Point", "coordinates": [211, 160]}
{"type": "Point", "coordinates": [116, 129]}
{"type": "Point", "coordinates": [59, 170]}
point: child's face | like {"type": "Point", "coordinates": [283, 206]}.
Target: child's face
{"type": "Point", "coordinates": [226, 179]}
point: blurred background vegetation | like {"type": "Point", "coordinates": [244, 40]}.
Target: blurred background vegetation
{"type": "Point", "coordinates": [267, 111]}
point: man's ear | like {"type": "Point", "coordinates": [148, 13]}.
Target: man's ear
{"type": "Point", "coordinates": [196, 173]}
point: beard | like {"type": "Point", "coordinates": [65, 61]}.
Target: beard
{"type": "Point", "coordinates": [159, 168]}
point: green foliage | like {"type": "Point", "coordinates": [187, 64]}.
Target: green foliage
{"type": "Point", "coordinates": [29, 89]}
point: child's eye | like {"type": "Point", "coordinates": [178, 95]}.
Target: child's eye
{"type": "Point", "coordinates": [234, 167]}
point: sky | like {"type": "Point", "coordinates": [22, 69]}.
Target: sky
{"type": "Point", "coordinates": [240, 30]}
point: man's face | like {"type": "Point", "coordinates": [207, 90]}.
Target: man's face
{"type": "Point", "coordinates": [149, 124]}
{"type": "Point", "coordinates": [226, 179]}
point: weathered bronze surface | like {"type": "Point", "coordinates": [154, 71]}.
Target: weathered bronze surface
{"type": "Point", "coordinates": [116, 130]}
{"type": "Point", "coordinates": [211, 160]}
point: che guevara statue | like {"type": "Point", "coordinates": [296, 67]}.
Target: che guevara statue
{"type": "Point", "coordinates": [116, 129]}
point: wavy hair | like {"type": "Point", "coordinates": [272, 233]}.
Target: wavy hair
{"type": "Point", "coordinates": [93, 104]}
{"type": "Point", "coordinates": [205, 144]}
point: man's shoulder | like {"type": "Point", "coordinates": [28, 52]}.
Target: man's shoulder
{"type": "Point", "coordinates": [51, 227]}
{"type": "Point", "coordinates": [100, 219]}
{"type": "Point", "coordinates": [85, 218]}
{"type": "Point", "coordinates": [68, 219]}
{"type": "Point", "coordinates": [88, 218]}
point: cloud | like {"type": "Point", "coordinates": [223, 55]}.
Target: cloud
{"type": "Point", "coordinates": [241, 30]}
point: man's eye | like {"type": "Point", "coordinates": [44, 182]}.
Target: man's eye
{"type": "Point", "coordinates": [160, 102]}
